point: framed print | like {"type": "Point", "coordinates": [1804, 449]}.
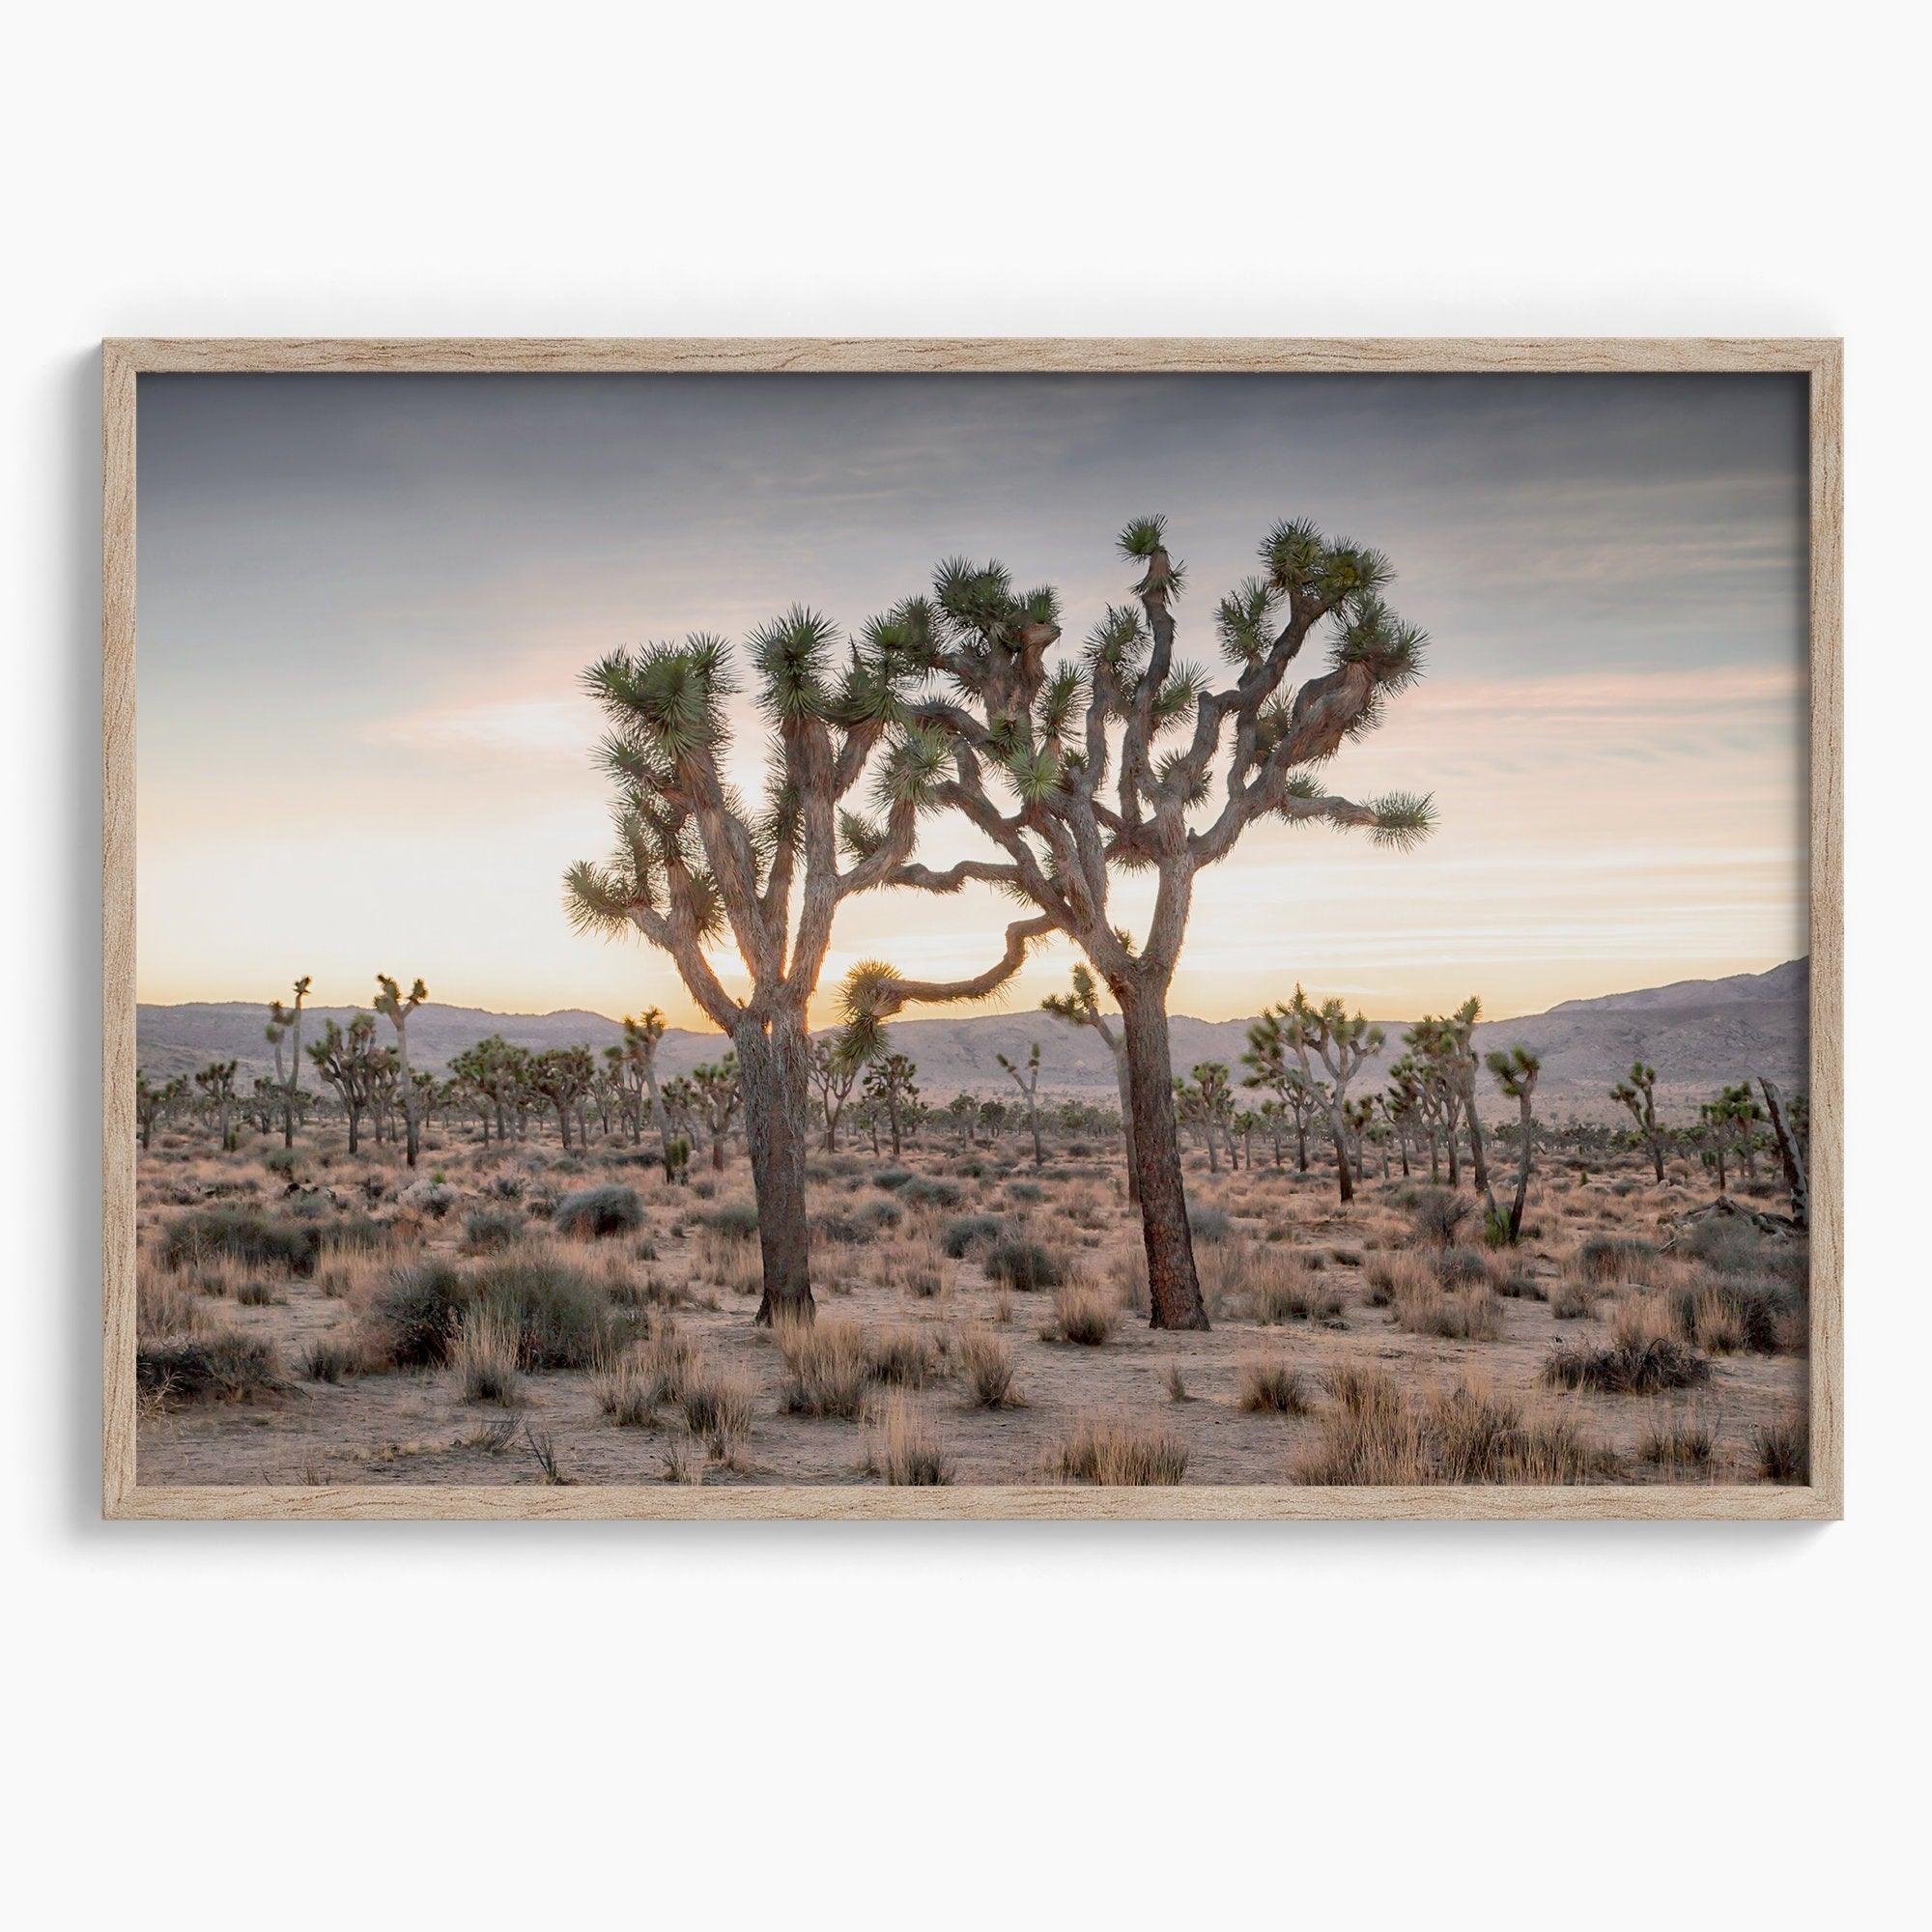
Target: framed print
{"type": "Point", "coordinates": [1242, 928]}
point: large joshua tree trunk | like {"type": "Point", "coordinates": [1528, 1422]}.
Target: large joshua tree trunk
{"type": "Point", "coordinates": [1123, 1082]}
{"type": "Point", "coordinates": [775, 1070]}
{"type": "Point", "coordinates": [1174, 1288]}
{"type": "Point", "coordinates": [1338, 1131]}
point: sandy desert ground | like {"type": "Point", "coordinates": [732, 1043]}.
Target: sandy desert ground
{"type": "Point", "coordinates": [313, 1320]}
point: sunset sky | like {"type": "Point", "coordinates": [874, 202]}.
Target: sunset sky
{"type": "Point", "coordinates": [364, 602]}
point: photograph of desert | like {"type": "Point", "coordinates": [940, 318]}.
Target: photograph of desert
{"type": "Point", "coordinates": [972, 930]}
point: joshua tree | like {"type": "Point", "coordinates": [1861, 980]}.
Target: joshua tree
{"type": "Point", "coordinates": [889, 1083]}
{"type": "Point", "coordinates": [1787, 1131]}
{"type": "Point", "coordinates": [693, 861]}
{"type": "Point", "coordinates": [1515, 1072]}
{"type": "Point", "coordinates": [499, 1072]}
{"type": "Point", "coordinates": [1090, 796]}
{"type": "Point", "coordinates": [1358, 1115]}
{"type": "Point", "coordinates": [561, 1077]}
{"type": "Point", "coordinates": [1343, 1046]}
{"type": "Point", "coordinates": [288, 1021]}
{"type": "Point", "coordinates": [834, 1071]}
{"type": "Point", "coordinates": [720, 1091]}
{"type": "Point", "coordinates": [1029, 1085]}
{"type": "Point", "coordinates": [1297, 1096]}
{"type": "Point", "coordinates": [1080, 1005]}
{"type": "Point", "coordinates": [349, 1060]}
{"type": "Point", "coordinates": [963, 1110]}
{"type": "Point", "coordinates": [155, 1106]}
{"type": "Point", "coordinates": [1446, 1044]}
{"type": "Point", "coordinates": [1730, 1125]}
{"type": "Point", "coordinates": [1637, 1096]}
{"type": "Point", "coordinates": [641, 1038]}
{"type": "Point", "coordinates": [391, 1004]}
{"type": "Point", "coordinates": [216, 1080]}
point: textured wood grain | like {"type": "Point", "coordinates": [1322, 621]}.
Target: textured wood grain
{"type": "Point", "coordinates": [123, 360]}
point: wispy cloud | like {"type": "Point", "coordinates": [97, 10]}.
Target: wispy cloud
{"type": "Point", "coordinates": [534, 727]}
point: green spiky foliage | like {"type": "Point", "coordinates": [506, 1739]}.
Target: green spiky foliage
{"type": "Point", "coordinates": [720, 1093]}
{"type": "Point", "coordinates": [216, 1080]}
{"type": "Point", "coordinates": [496, 1074]}
{"type": "Point", "coordinates": [1445, 1044]}
{"type": "Point", "coordinates": [1123, 757]}
{"type": "Point", "coordinates": [1270, 1064]}
{"type": "Point", "coordinates": [836, 1068]}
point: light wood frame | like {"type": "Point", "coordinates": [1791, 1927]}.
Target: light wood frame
{"type": "Point", "coordinates": [125, 361]}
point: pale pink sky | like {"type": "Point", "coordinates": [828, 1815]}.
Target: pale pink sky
{"type": "Point", "coordinates": [364, 602]}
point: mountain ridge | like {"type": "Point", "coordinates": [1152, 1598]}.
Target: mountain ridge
{"type": "Point", "coordinates": [1699, 1034]}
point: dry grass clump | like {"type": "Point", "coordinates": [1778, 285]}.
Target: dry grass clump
{"type": "Point", "coordinates": [1392, 1275]}
{"type": "Point", "coordinates": [594, 1212]}
{"type": "Point", "coordinates": [165, 1304]}
{"type": "Point", "coordinates": [1454, 1315]}
{"type": "Point", "coordinates": [1783, 1449]}
{"type": "Point", "coordinates": [1575, 1301]}
{"type": "Point", "coordinates": [1024, 1263]}
{"type": "Point", "coordinates": [902, 1447]}
{"type": "Point", "coordinates": [827, 1366]}
{"type": "Point", "coordinates": [327, 1360]}
{"type": "Point", "coordinates": [1117, 1453]}
{"type": "Point", "coordinates": [1083, 1314]}
{"type": "Point", "coordinates": [483, 1352]}
{"type": "Point", "coordinates": [1678, 1442]}
{"type": "Point", "coordinates": [1126, 1275]}
{"type": "Point", "coordinates": [903, 1357]}
{"type": "Point", "coordinates": [1372, 1435]}
{"type": "Point", "coordinates": [1611, 1257]}
{"type": "Point", "coordinates": [1270, 1386]}
{"type": "Point", "coordinates": [726, 1262]}
{"type": "Point", "coordinates": [716, 1406]}
{"type": "Point", "coordinates": [627, 1391]}
{"type": "Point", "coordinates": [988, 1364]}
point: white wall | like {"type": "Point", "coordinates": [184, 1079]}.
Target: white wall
{"type": "Point", "coordinates": [424, 1725]}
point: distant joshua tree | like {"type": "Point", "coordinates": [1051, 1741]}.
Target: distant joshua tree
{"type": "Point", "coordinates": [694, 863]}
{"type": "Point", "coordinates": [287, 1021]}
{"type": "Point", "coordinates": [1057, 766]}
{"type": "Point", "coordinates": [1515, 1072]}
{"type": "Point", "coordinates": [216, 1080]}
{"type": "Point", "coordinates": [890, 1084]}
{"type": "Point", "coordinates": [834, 1071]}
{"type": "Point", "coordinates": [1029, 1085]}
{"type": "Point", "coordinates": [1787, 1127]}
{"type": "Point", "coordinates": [1637, 1096]}
{"type": "Point", "coordinates": [1080, 1005]}
{"type": "Point", "coordinates": [1343, 1046]}
{"type": "Point", "coordinates": [641, 1038]}
{"type": "Point", "coordinates": [720, 1091]}
{"type": "Point", "coordinates": [561, 1077]}
{"type": "Point", "coordinates": [1447, 1044]}
{"type": "Point", "coordinates": [1296, 1098]}
{"type": "Point", "coordinates": [391, 1004]}
{"type": "Point", "coordinates": [349, 1060]}
{"type": "Point", "coordinates": [155, 1106]}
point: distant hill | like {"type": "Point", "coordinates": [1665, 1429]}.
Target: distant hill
{"type": "Point", "coordinates": [1699, 1034]}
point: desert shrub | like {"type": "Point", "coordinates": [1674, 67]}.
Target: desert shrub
{"type": "Point", "coordinates": [891, 1178]}
{"type": "Point", "coordinates": [1632, 1366]}
{"type": "Point", "coordinates": [966, 1231]}
{"type": "Point", "coordinates": [988, 1364]}
{"type": "Point", "coordinates": [242, 1235]}
{"type": "Point", "coordinates": [1513, 1281]}
{"type": "Point", "coordinates": [1369, 1437]}
{"type": "Point", "coordinates": [1612, 1256]}
{"type": "Point", "coordinates": [1784, 1450]}
{"type": "Point", "coordinates": [1435, 1212]}
{"type": "Point", "coordinates": [1209, 1221]}
{"type": "Point", "coordinates": [489, 1229]}
{"type": "Point", "coordinates": [284, 1163]}
{"type": "Point", "coordinates": [1574, 1301]}
{"type": "Point", "coordinates": [920, 1191]}
{"type": "Point", "coordinates": [1083, 1314]}
{"type": "Point", "coordinates": [1391, 1275]}
{"type": "Point", "coordinates": [326, 1360]}
{"type": "Point", "coordinates": [1292, 1294]}
{"type": "Point", "coordinates": [1471, 1435]}
{"type": "Point", "coordinates": [592, 1213]}
{"type": "Point", "coordinates": [1023, 1264]}
{"type": "Point", "coordinates": [225, 1367]}
{"type": "Point", "coordinates": [356, 1235]}
{"type": "Point", "coordinates": [827, 1369]}
{"type": "Point", "coordinates": [557, 1315]}
{"type": "Point", "coordinates": [902, 1356]}
{"type": "Point", "coordinates": [627, 1391]}
{"type": "Point", "coordinates": [483, 1352]}
{"type": "Point", "coordinates": [1725, 1243]}
{"type": "Point", "coordinates": [1119, 1453]}
{"type": "Point", "coordinates": [1456, 1268]}
{"type": "Point", "coordinates": [902, 1448]}
{"type": "Point", "coordinates": [1268, 1387]}
{"type": "Point", "coordinates": [413, 1314]}
{"type": "Point", "coordinates": [1725, 1317]}
{"type": "Point", "coordinates": [738, 1220]}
